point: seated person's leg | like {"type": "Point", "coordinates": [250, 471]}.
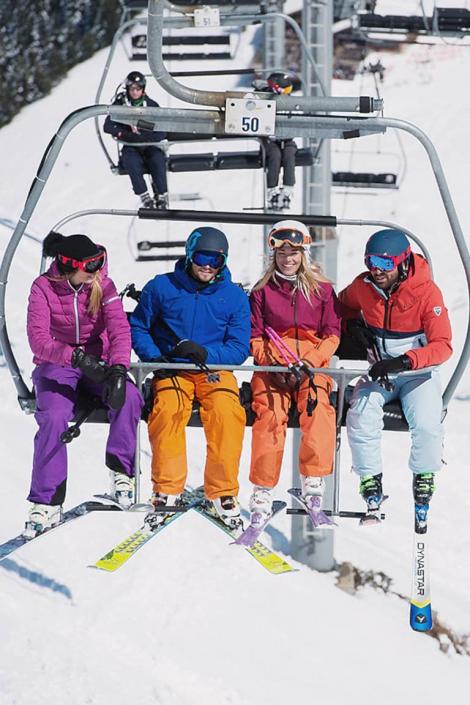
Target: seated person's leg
{"type": "Point", "coordinates": [133, 162]}
{"type": "Point", "coordinates": [55, 388]}
{"type": "Point", "coordinates": [421, 399]}
{"type": "Point", "coordinates": [156, 161]}
{"type": "Point", "coordinates": [224, 421]}
{"type": "Point", "coordinates": [364, 424]}
{"type": "Point", "coordinates": [172, 406]}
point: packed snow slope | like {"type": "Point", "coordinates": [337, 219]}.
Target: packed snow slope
{"type": "Point", "coordinates": [192, 619]}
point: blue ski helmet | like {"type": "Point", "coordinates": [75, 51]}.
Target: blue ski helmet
{"type": "Point", "coordinates": [388, 249]}
{"type": "Point", "coordinates": [207, 239]}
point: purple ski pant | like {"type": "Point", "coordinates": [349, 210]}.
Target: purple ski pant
{"type": "Point", "coordinates": [56, 393]}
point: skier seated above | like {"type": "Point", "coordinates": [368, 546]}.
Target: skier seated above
{"type": "Point", "coordinates": [397, 313]}
{"type": "Point", "coordinates": [195, 314]}
{"type": "Point", "coordinates": [80, 337]}
{"type": "Point", "coordinates": [279, 152]}
{"type": "Point", "coordinates": [134, 158]}
{"type": "Point", "coordinates": [298, 303]}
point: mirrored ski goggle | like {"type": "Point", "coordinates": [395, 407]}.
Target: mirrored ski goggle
{"type": "Point", "coordinates": [279, 89]}
{"type": "Point", "coordinates": [89, 265]}
{"type": "Point", "coordinates": [386, 263]}
{"type": "Point", "coordinates": [290, 237]}
{"type": "Point", "coordinates": [215, 260]}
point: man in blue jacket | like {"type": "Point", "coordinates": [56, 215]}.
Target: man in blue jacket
{"type": "Point", "coordinates": [196, 314]}
{"type": "Point", "coordinates": [137, 155]}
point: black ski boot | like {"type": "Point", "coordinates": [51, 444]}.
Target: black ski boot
{"type": "Point", "coordinates": [372, 493]}
{"type": "Point", "coordinates": [423, 490]}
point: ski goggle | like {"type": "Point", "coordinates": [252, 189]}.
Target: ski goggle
{"type": "Point", "coordinates": [279, 89]}
{"type": "Point", "coordinates": [204, 258]}
{"type": "Point", "coordinates": [387, 263]}
{"type": "Point", "coordinates": [89, 265]}
{"type": "Point", "coordinates": [295, 238]}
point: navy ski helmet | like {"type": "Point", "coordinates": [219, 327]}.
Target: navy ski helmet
{"type": "Point", "coordinates": [388, 249]}
{"type": "Point", "coordinates": [280, 82]}
{"type": "Point", "coordinates": [206, 239]}
{"type": "Point", "coordinates": [135, 77]}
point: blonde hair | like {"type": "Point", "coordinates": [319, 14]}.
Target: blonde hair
{"type": "Point", "coordinates": [308, 277]}
{"type": "Point", "coordinates": [96, 294]}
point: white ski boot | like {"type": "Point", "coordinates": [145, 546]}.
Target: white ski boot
{"type": "Point", "coordinates": [227, 509]}
{"type": "Point", "coordinates": [312, 491]}
{"type": "Point", "coordinates": [273, 198]}
{"type": "Point", "coordinates": [159, 502]}
{"type": "Point", "coordinates": [285, 197]}
{"type": "Point", "coordinates": [146, 200]}
{"type": "Point", "coordinates": [122, 488]}
{"type": "Point", "coordinates": [40, 518]}
{"type": "Point", "coordinates": [261, 505]}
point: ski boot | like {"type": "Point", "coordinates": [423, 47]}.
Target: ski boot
{"type": "Point", "coordinates": [160, 501]}
{"type": "Point", "coordinates": [286, 195]}
{"type": "Point", "coordinates": [40, 518]}
{"type": "Point", "coordinates": [371, 491]}
{"type": "Point", "coordinates": [423, 490]}
{"type": "Point", "coordinates": [227, 510]}
{"type": "Point", "coordinates": [122, 488]}
{"type": "Point", "coordinates": [261, 505]}
{"type": "Point", "coordinates": [311, 497]}
{"type": "Point", "coordinates": [273, 199]}
{"type": "Point", "coordinates": [146, 200]}
{"type": "Point", "coordinates": [161, 201]}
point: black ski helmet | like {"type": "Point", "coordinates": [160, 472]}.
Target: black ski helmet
{"type": "Point", "coordinates": [135, 77]}
{"type": "Point", "coordinates": [208, 239]}
{"type": "Point", "coordinates": [280, 82]}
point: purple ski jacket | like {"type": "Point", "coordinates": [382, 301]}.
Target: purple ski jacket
{"type": "Point", "coordinates": [58, 321]}
{"type": "Point", "coordinates": [310, 329]}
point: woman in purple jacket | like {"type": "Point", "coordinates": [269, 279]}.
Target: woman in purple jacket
{"type": "Point", "coordinates": [295, 300]}
{"type": "Point", "coordinates": [78, 332]}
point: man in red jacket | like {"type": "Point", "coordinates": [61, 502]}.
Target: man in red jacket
{"type": "Point", "coordinates": [397, 313]}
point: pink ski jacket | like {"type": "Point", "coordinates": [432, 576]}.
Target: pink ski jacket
{"type": "Point", "coordinates": [58, 321]}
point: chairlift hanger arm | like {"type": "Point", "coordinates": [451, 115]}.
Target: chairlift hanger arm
{"type": "Point", "coordinates": [217, 99]}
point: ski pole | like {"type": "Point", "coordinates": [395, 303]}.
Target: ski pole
{"type": "Point", "coordinates": [299, 367]}
{"type": "Point", "coordinates": [283, 350]}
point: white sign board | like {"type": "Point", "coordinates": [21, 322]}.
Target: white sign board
{"type": "Point", "coordinates": [250, 116]}
{"type": "Point", "coordinates": [207, 17]}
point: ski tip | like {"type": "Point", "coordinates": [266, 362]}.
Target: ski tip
{"type": "Point", "coordinates": [421, 617]}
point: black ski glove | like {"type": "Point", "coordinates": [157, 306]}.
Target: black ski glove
{"type": "Point", "coordinates": [191, 350]}
{"type": "Point", "coordinates": [91, 366]}
{"type": "Point", "coordinates": [360, 333]}
{"type": "Point", "coordinates": [114, 390]}
{"type": "Point", "coordinates": [392, 366]}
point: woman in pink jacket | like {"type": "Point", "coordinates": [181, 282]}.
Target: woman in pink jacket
{"type": "Point", "coordinates": [79, 334]}
{"type": "Point", "coordinates": [298, 303]}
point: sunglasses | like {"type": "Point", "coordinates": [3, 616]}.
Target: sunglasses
{"type": "Point", "coordinates": [289, 237]}
{"type": "Point", "coordinates": [387, 263]}
{"type": "Point", "coordinates": [89, 265]}
{"type": "Point", "coordinates": [215, 260]}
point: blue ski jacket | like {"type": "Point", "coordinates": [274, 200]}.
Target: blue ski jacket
{"type": "Point", "coordinates": [175, 306]}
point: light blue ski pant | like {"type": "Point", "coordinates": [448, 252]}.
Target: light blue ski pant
{"type": "Point", "coordinates": [421, 401]}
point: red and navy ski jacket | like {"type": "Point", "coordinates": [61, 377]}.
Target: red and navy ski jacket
{"type": "Point", "coordinates": [412, 320]}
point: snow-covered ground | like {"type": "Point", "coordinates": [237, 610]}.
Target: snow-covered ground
{"type": "Point", "coordinates": [191, 619]}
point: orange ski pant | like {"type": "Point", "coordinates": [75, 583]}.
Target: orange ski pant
{"type": "Point", "coordinates": [223, 419]}
{"type": "Point", "coordinates": [271, 404]}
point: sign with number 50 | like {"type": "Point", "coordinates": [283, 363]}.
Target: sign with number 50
{"type": "Point", "coordinates": [250, 116]}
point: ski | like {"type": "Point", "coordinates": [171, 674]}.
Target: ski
{"type": "Point", "coordinates": [420, 600]}
{"type": "Point", "coordinates": [258, 525]}
{"type": "Point", "coordinates": [272, 562]}
{"type": "Point", "coordinates": [80, 510]}
{"type": "Point", "coordinates": [317, 516]}
{"type": "Point", "coordinates": [120, 554]}
{"type": "Point", "coordinates": [139, 507]}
